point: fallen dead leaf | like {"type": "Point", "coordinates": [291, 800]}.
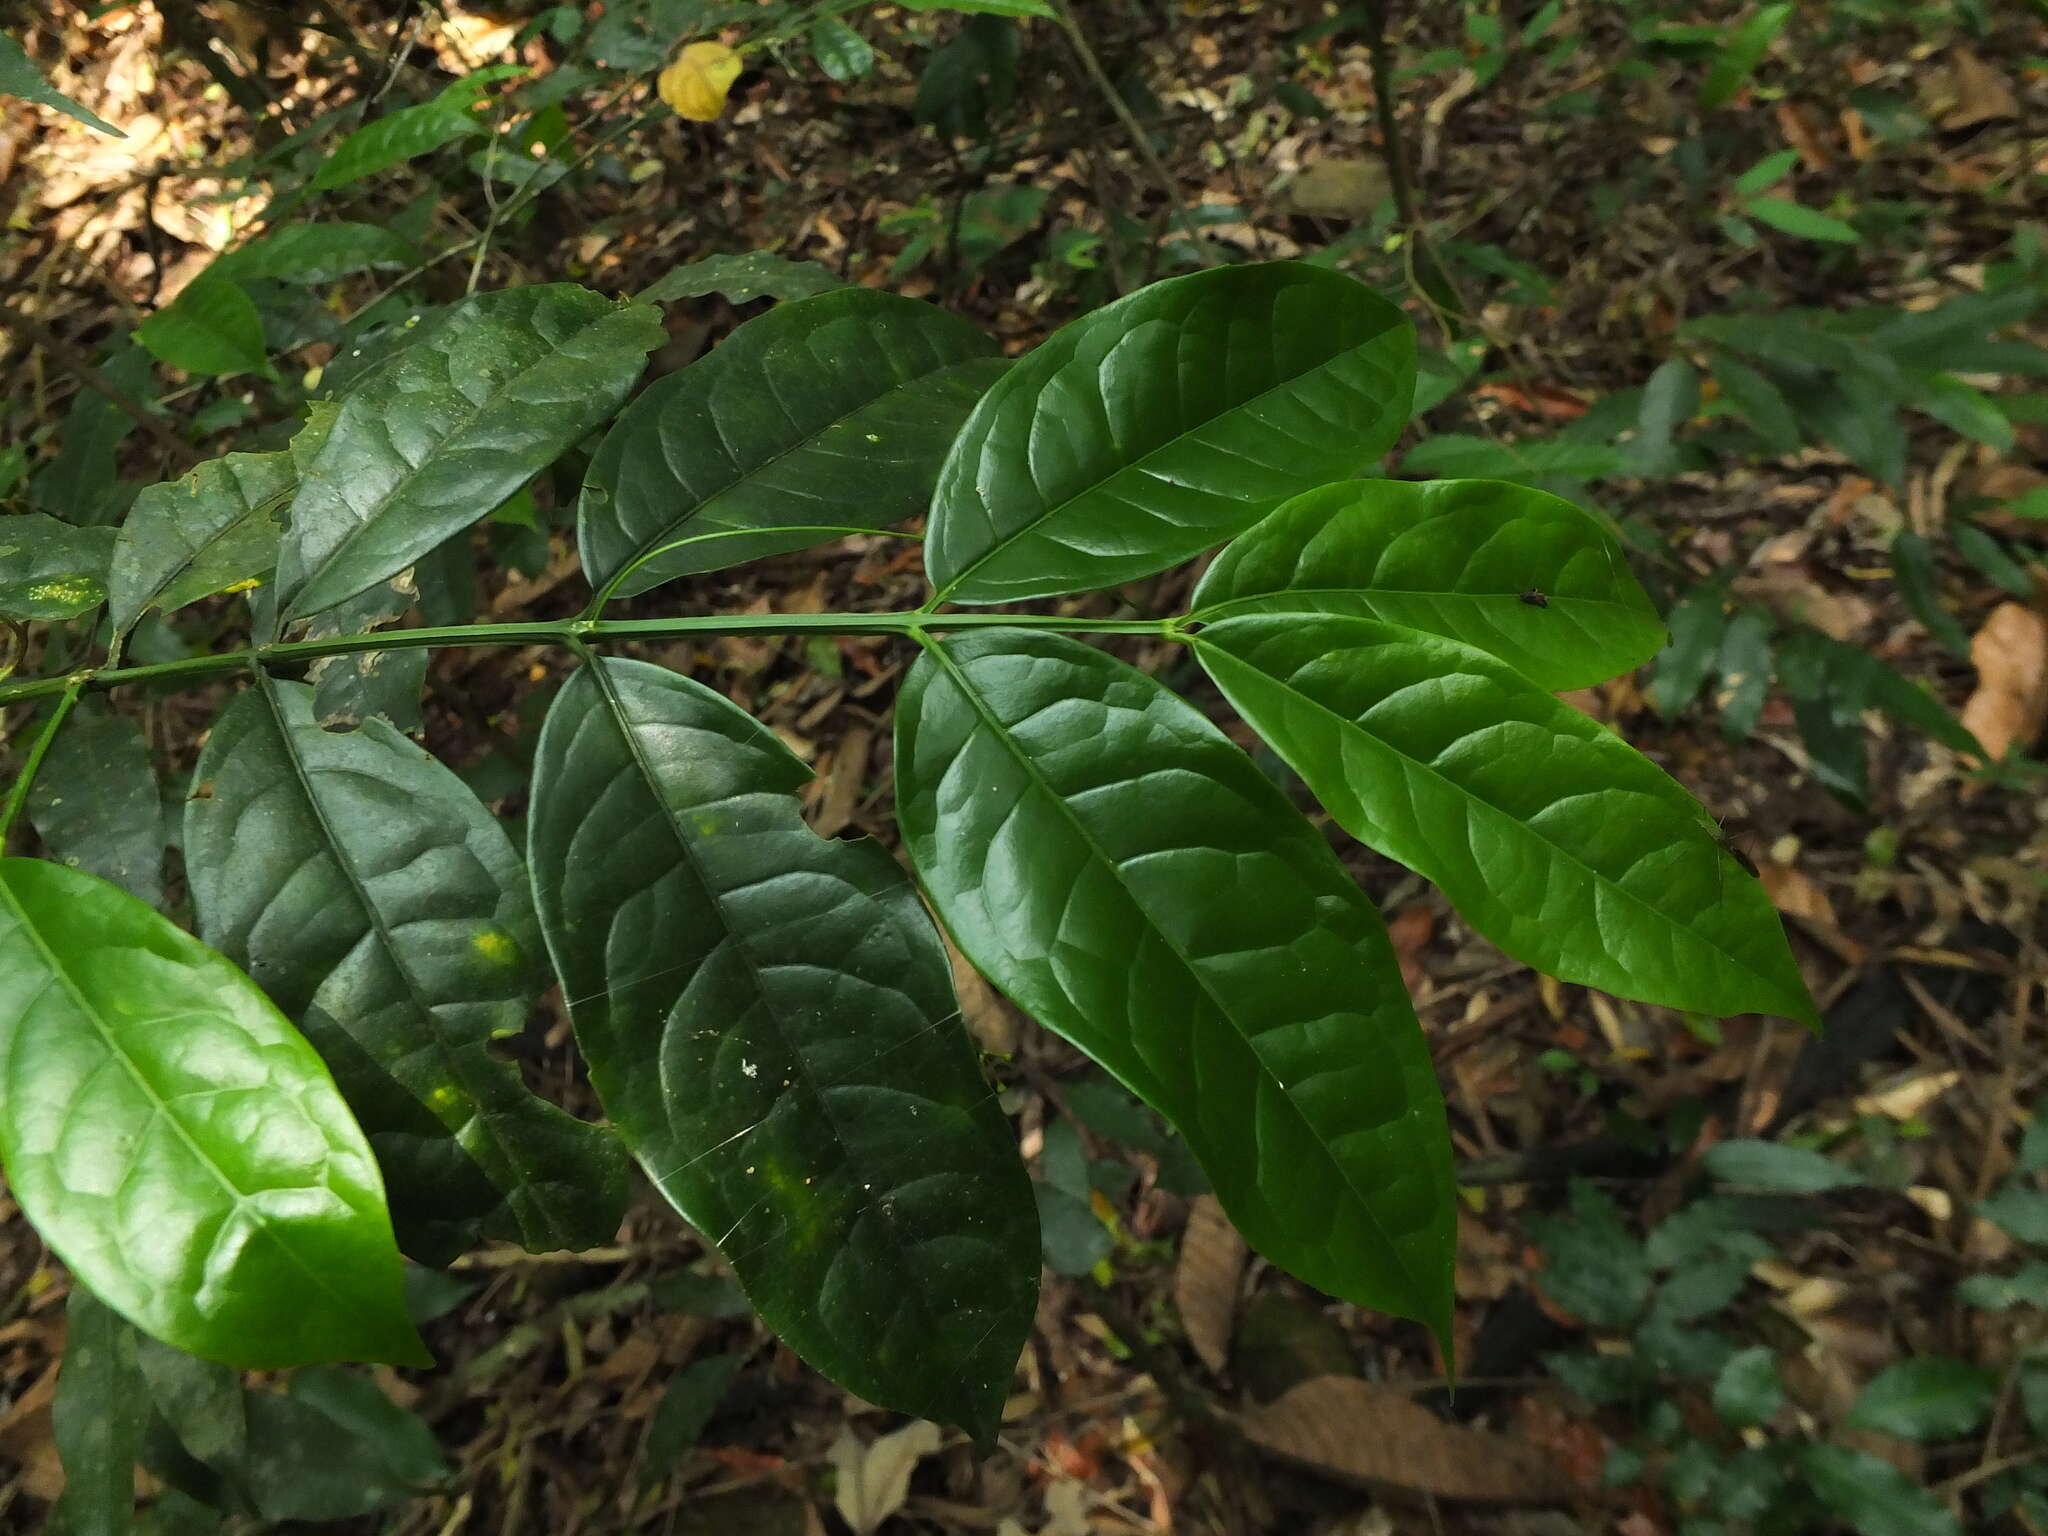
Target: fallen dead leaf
{"type": "Point", "coordinates": [1793, 594]}
{"type": "Point", "coordinates": [697, 83]}
{"type": "Point", "coordinates": [2011, 702]}
{"type": "Point", "coordinates": [1411, 930]}
{"type": "Point", "coordinates": [987, 1013]}
{"type": "Point", "coordinates": [1982, 93]}
{"type": "Point", "coordinates": [844, 781]}
{"type": "Point", "coordinates": [1212, 1256]}
{"type": "Point", "coordinates": [1363, 1433]}
{"type": "Point", "coordinates": [1799, 125]}
{"type": "Point", "coordinates": [1905, 1099]}
{"type": "Point", "coordinates": [874, 1480]}
{"type": "Point", "coordinates": [1337, 189]}
{"type": "Point", "coordinates": [1795, 894]}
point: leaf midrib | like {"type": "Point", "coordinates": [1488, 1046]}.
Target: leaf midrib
{"type": "Point", "coordinates": [370, 519]}
{"type": "Point", "coordinates": [652, 545]}
{"type": "Point", "coordinates": [958, 676]}
{"type": "Point", "coordinates": [1564, 855]}
{"type": "Point", "coordinates": [508, 1164]}
{"type": "Point", "coordinates": [1216, 612]}
{"type": "Point", "coordinates": [242, 1199]}
{"type": "Point", "coordinates": [621, 720]}
{"type": "Point", "coordinates": [1011, 538]}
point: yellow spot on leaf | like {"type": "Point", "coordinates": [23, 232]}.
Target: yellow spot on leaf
{"type": "Point", "coordinates": [249, 585]}
{"type": "Point", "coordinates": [696, 84]}
{"type": "Point", "coordinates": [497, 946]}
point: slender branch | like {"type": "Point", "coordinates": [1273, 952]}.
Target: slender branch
{"type": "Point", "coordinates": [1431, 278]}
{"type": "Point", "coordinates": [17, 795]}
{"type": "Point", "coordinates": [1139, 138]}
{"type": "Point", "coordinates": [575, 633]}
{"type": "Point", "coordinates": [77, 364]}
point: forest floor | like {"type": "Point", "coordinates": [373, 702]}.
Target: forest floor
{"type": "Point", "coordinates": [1145, 1401]}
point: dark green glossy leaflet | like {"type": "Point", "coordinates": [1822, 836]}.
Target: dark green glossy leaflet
{"type": "Point", "coordinates": [178, 1143]}
{"type": "Point", "coordinates": [97, 1419]}
{"type": "Point", "coordinates": [51, 570]}
{"type": "Point", "coordinates": [186, 539]}
{"type": "Point", "coordinates": [381, 906]}
{"type": "Point", "coordinates": [769, 1019]}
{"type": "Point", "coordinates": [836, 409]}
{"type": "Point", "coordinates": [494, 391]}
{"type": "Point", "coordinates": [1160, 425]}
{"type": "Point", "coordinates": [1550, 835]}
{"type": "Point", "coordinates": [1109, 859]}
{"type": "Point", "coordinates": [96, 804]}
{"type": "Point", "coordinates": [1517, 572]}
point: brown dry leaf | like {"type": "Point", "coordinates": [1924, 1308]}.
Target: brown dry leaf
{"type": "Point", "coordinates": [874, 1480]}
{"type": "Point", "coordinates": [844, 781]}
{"type": "Point", "coordinates": [1337, 189]}
{"type": "Point", "coordinates": [2011, 702]}
{"type": "Point", "coordinates": [1795, 894]}
{"type": "Point", "coordinates": [1799, 125]}
{"type": "Point", "coordinates": [1411, 930]}
{"type": "Point", "coordinates": [27, 1440]}
{"type": "Point", "coordinates": [1982, 93]}
{"type": "Point", "coordinates": [1212, 1256]}
{"type": "Point", "coordinates": [1793, 594]}
{"type": "Point", "coordinates": [1359, 1432]}
{"type": "Point", "coordinates": [466, 40]}
{"type": "Point", "coordinates": [989, 1017]}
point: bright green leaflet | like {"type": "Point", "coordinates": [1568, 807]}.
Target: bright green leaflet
{"type": "Point", "coordinates": [382, 907]}
{"type": "Point", "coordinates": [212, 327]}
{"type": "Point", "coordinates": [835, 409]}
{"type": "Point", "coordinates": [96, 805]}
{"type": "Point", "coordinates": [451, 426]}
{"type": "Point", "coordinates": [20, 77]}
{"type": "Point", "coordinates": [178, 1143]}
{"type": "Point", "coordinates": [1551, 835]}
{"type": "Point", "coordinates": [403, 135]}
{"type": "Point", "coordinates": [97, 1419]}
{"type": "Point", "coordinates": [1929, 1397]}
{"type": "Point", "coordinates": [769, 1019]}
{"type": "Point", "coordinates": [187, 539]}
{"type": "Point", "coordinates": [51, 570]}
{"type": "Point", "coordinates": [1164, 423]}
{"type": "Point", "coordinates": [1110, 860]}
{"type": "Point", "coordinates": [1519, 573]}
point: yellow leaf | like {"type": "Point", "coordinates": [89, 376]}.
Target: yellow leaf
{"type": "Point", "coordinates": [697, 83]}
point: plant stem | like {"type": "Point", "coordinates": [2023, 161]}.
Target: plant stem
{"type": "Point", "coordinates": [17, 795]}
{"type": "Point", "coordinates": [1139, 139]}
{"type": "Point", "coordinates": [575, 633]}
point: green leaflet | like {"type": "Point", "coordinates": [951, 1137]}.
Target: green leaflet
{"type": "Point", "coordinates": [186, 539]}
{"type": "Point", "coordinates": [1550, 835]}
{"type": "Point", "coordinates": [1519, 573]}
{"type": "Point", "coordinates": [317, 253]}
{"type": "Point", "coordinates": [1151, 429]}
{"type": "Point", "coordinates": [95, 802]}
{"type": "Point", "coordinates": [178, 1143]}
{"type": "Point", "coordinates": [97, 1419]}
{"type": "Point", "coordinates": [769, 1020]}
{"type": "Point", "coordinates": [830, 410]}
{"type": "Point", "coordinates": [211, 327]}
{"type": "Point", "coordinates": [51, 570]}
{"type": "Point", "coordinates": [1110, 860]}
{"type": "Point", "coordinates": [381, 906]}
{"type": "Point", "coordinates": [488, 395]}
{"type": "Point", "coordinates": [20, 77]}
{"type": "Point", "coordinates": [742, 277]}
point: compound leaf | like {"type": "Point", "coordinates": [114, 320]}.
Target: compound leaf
{"type": "Point", "coordinates": [95, 802]}
{"type": "Point", "coordinates": [1164, 423]}
{"type": "Point", "coordinates": [186, 539]}
{"type": "Point", "coordinates": [1551, 836]}
{"type": "Point", "coordinates": [1110, 860]}
{"type": "Point", "coordinates": [178, 1143]}
{"type": "Point", "coordinates": [452, 425]}
{"type": "Point", "coordinates": [1519, 573]}
{"type": "Point", "coordinates": [834, 410]}
{"type": "Point", "coordinates": [382, 907]}
{"type": "Point", "coordinates": [770, 1022]}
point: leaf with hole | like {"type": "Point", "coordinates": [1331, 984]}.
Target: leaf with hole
{"type": "Point", "coordinates": [498, 389]}
{"type": "Point", "coordinates": [1519, 573]}
{"type": "Point", "coordinates": [1126, 875]}
{"type": "Point", "coordinates": [834, 410]}
{"type": "Point", "coordinates": [770, 1022]}
{"type": "Point", "coordinates": [186, 539]}
{"type": "Point", "coordinates": [178, 1143]}
{"type": "Point", "coordinates": [1550, 835]}
{"type": "Point", "coordinates": [1071, 474]}
{"type": "Point", "coordinates": [383, 908]}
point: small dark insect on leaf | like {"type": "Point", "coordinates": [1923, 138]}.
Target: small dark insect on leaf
{"type": "Point", "coordinates": [1535, 599]}
{"type": "Point", "coordinates": [1735, 852]}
